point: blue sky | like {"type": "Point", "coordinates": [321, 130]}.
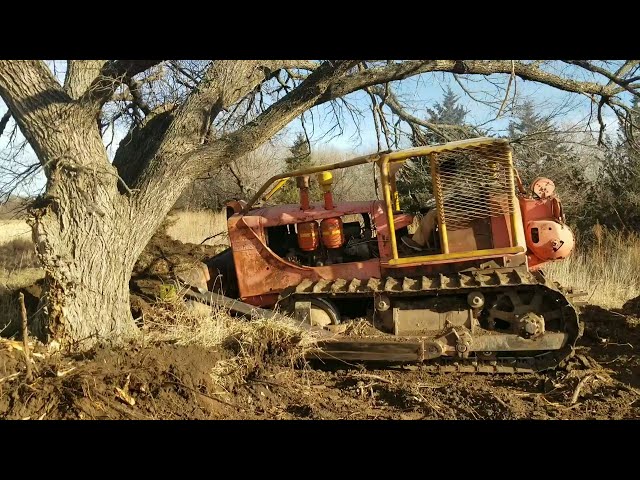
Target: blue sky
{"type": "Point", "coordinates": [419, 93]}
{"type": "Point", "coordinates": [426, 90]}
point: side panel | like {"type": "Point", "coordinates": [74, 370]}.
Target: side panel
{"type": "Point", "coordinates": [478, 236]}
{"type": "Point", "coordinates": [382, 228]}
{"type": "Point", "coordinates": [262, 274]}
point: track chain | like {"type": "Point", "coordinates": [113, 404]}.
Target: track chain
{"type": "Point", "coordinates": [461, 283]}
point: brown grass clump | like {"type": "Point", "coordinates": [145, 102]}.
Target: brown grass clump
{"type": "Point", "coordinates": [10, 282]}
{"type": "Point", "coordinates": [19, 267]}
{"type": "Point", "coordinates": [13, 229]}
{"type": "Point", "coordinates": [609, 271]}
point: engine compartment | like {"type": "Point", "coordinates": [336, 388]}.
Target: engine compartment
{"type": "Point", "coordinates": [328, 242]}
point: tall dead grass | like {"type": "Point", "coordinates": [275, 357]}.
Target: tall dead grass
{"type": "Point", "coordinates": [609, 271]}
{"type": "Point", "coordinates": [11, 230]}
{"type": "Point", "coordinates": [195, 226]}
{"type": "Point", "coordinates": [251, 344]}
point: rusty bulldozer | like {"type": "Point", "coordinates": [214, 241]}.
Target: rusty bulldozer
{"type": "Point", "coordinates": [473, 298]}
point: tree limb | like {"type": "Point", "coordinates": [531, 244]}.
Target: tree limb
{"type": "Point", "coordinates": [394, 104]}
{"type": "Point", "coordinates": [35, 99]}
{"type": "Point", "coordinates": [4, 120]}
{"type": "Point", "coordinates": [112, 74]}
{"type": "Point", "coordinates": [80, 75]}
{"type": "Point", "coordinates": [614, 78]}
{"type": "Point", "coordinates": [341, 85]}
{"type": "Point", "coordinates": [309, 93]}
{"type": "Point", "coordinates": [399, 71]}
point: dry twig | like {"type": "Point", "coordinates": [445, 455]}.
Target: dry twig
{"type": "Point", "coordinates": [581, 384]}
{"type": "Point", "coordinates": [25, 337]}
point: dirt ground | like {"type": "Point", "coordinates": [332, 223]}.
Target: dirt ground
{"type": "Point", "coordinates": [190, 382]}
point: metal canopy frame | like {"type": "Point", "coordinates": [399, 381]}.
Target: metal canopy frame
{"type": "Point", "coordinates": [384, 160]}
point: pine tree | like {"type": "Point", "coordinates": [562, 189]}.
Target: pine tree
{"type": "Point", "coordinates": [300, 153]}
{"type": "Point", "coordinates": [540, 150]}
{"type": "Point", "coordinates": [448, 111]}
{"type": "Point", "coordinates": [300, 157]}
{"type": "Point", "coordinates": [414, 179]}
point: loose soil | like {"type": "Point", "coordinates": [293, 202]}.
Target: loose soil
{"type": "Point", "coordinates": [168, 381]}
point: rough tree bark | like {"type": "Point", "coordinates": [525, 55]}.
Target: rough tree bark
{"type": "Point", "coordinates": [88, 232]}
{"type": "Point", "coordinates": [97, 216]}
{"type": "Point", "coordinates": [82, 228]}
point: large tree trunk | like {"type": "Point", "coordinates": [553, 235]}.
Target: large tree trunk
{"type": "Point", "coordinates": [88, 245]}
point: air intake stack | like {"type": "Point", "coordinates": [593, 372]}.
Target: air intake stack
{"type": "Point", "coordinates": [325, 179]}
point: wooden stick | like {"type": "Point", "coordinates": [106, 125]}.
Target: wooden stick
{"type": "Point", "coordinates": [576, 393]}
{"type": "Point", "coordinates": [25, 337]}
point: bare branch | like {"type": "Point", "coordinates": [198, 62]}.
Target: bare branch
{"type": "Point", "coordinates": [111, 76]}
{"type": "Point", "coordinates": [4, 120]}
{"type": "Point", "coordinates": [299, 65]}
{"type": "Point", "coordinates": [613, 78]}
{"type": "Point", "coordinates": [309, 93]}
{"type": "Point", "coordinates": [224, 83]}
{"type": "Point", "coordinates": [396, 107]}
{"type": "Point", "coordinates": [506, 95]}
{"type": "Point", "coordinates": [526, 71]}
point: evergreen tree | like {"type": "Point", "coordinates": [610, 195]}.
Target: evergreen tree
{"type": "Point", "coordinates": [300, 157]}
{"type": "Point", "coordinates": [300, 153]}
{"type": "Point", "coordinates": [540, 150]}
{"type": "Point", "coordinates": [537, 143]}
{"type": "Point", "coordinates": [414, 179]}
{"type": "Point", "coordinates": [448, 112]}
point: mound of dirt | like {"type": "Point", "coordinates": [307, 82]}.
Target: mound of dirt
{"type": "Point", "coordinates": [164, 381]}
{"type": "Point", "coordinates": [631, 307]}
{"type": "Point", "coordinates": [602, 381]}
{"type": "Point", "coordinates": [165, 260]}
{"type": "Point", "coordinates": [252, 376]}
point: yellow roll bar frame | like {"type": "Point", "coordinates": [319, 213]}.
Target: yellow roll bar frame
{"type": "Point", "coordinates": [384, 159]}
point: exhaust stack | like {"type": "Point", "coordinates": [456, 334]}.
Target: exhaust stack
{"type": "Point", "coordinates": [303, 184]}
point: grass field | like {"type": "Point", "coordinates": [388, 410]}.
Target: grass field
{"type": "Point", "coordinates": [609, 271]}
{"type": "Point", "coordinates": [196, 226]}
{"type": "Point", "coordinates": [14, 230]}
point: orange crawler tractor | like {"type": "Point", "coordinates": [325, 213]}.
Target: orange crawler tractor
{"type": "Point", "coordinates": [472, 299]}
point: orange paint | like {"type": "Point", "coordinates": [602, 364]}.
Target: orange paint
{"type": "Point", "coordinates": [304, 198]}
{"type": "Point", "coordinates": [548, 238]}
{"type": "Point", "coordinates": [308, 236]}
{"type": "Point", "coordinates": [328, 200]}
{"type": "Point", "coordinates": [332, 232]}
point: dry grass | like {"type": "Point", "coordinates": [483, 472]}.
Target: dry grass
{"type": "Point", "coordinates": [11, 230]}
{"type": "Point", "coordinates": [253, 344]}
{"type": "Point", "coordinates": [17, 255]}
{"type": "Point", "coordinates": [19, 268]}
{"type": "Point", "coordinates": [192, 322]}
{"type": "Point", "coordinates": [191, 226]}
{"type": "Point", "coordinates": [609, 271]}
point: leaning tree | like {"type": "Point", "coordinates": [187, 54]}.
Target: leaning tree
{"type": "Point", "coordinates": [98, 211]}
